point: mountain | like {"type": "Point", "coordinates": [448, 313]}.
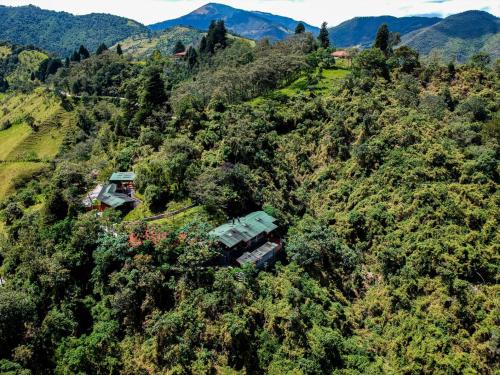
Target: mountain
{"type": "Point", "coordinates": [459, 36]}
{"type": "Point", "coordinates": [361, 31]}
{"type": "Point", "coordinates": [253, 25]}
{"type": "Point", "coordinates": [61, 32]}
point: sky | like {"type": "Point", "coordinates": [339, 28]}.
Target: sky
{"type": "Point", "coordinates": [311, 11]}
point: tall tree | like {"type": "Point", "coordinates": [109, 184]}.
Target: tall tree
{"type": "Point", "coordinates": [203, 44]}
{"type": "Point", "coordinates": [84, 53]}
{"type": "Point", "coordinates": [119, 49]}
{"type": "Point", "coordinates": [324, 36]}
{"type": "Point", "coordinates": [192, 57]}
{"type": "Point", "coordinates": [216, 36]}
{"type": "Point", "coordinates": [76, 57]}
{"type": "Point", "coordinates": [300, 29]}
{"type": "Point", "coordinates": [154, 87]}
{"type": "Point", "coordinates": [382, 39]}
{"type": "Point", "coordinates": [179, 47]}
{"type": "Point", "coordinates": [101, 49]}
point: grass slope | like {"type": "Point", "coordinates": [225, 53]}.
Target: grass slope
{"type": "Point", "coordinates": [10, 172]}
{"type": "Point", "coordinates": [21, 142]}
{"type": "Point", "coordinates": [23, 151]}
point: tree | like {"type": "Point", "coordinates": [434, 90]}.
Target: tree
{"type": "Point", "coordinates": [101, 49]}
{"type": "Point", "coordinates": [84, 53]}
{"type": "Point", "coordinates": [382, 39]}
{"type": "Point", "coordinates": [12, 212]}
{"type": "Point", "coordinates": [371, 62]}
{"type": "Point", "coordinates": [324, 36]}
{"type": "Point", "coordinates": [154, 196]}
{"type": "Point", "coordinates": [4, 85]}
{"type": "Point", "coordinates": [67, 63]}
{"type": "Point", "coordinates": [119, 49]}
{"type": "Point", "coordinates": [154, 86]}
{"type": "Point", "coordinates": [300, 29]}
{"type": "Point", "coordinates": [203, 45]}
{"type": "Point", "coordinates": [481, 60]}
{"type": "Point", "coordinates": [76, 57]}
{"type": "Point", "coordinates": [404, 58]}
{"type": "Point", "coordinates": [192, 57]}
{"type": "Point", "coordinates": [216, 36]}
{"type": "Point", "coordinates": [179, 47]}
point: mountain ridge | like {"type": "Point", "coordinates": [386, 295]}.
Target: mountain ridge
{"type": "Point", "coordinates": [458, 36]}
{"type": "Point", "coordinates": [249, 24]}
{"type": "Point", "coordinates": [62, 32]}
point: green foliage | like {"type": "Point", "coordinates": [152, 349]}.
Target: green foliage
{"type": "Point", "coordinates": [300, 28]}
{"type": "Point", "coordinates": [324, 37]}
{"type": "Point", "coordinates": [385, 191]}
{"type": "Point", "coordinates": [60, 32]}
{"type": "Point", "coordinates": [382, 39]}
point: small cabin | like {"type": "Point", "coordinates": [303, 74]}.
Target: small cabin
{"type": "Point", "coordinates": [341, 54]}
{"type": "Point", "coordinates": [118, 193]}
{"type": "Point", "coordinates": [248, 239]}
{"type": "Point", "coordinates": [180, 55]}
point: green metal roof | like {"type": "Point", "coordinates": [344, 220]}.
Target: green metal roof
{"type": "Point", "coordinates": [111, 198]}
{"type": "Point", "coordinates": [244, 229]}
{"type": "Point", "coordinates": [122, 177]}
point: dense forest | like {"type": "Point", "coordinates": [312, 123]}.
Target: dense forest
{"type": "Point", "coordinates": [382, 172]}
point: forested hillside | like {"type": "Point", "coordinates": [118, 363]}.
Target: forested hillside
{"type": "Point", "coordinates": [383, 175]}
{"type": "Point", "coordinates": [61, 32]}
{"type": "Point", "coordinates": [458, 37]}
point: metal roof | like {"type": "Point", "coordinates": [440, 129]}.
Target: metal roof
{"type": "Point", "coordinates": [122, 176]}
{"type": "Point", "coordinates": [257, 255]}
{"type": "Point", "coordinates": [111, 198]}
{"type": "Point", "coordinates": [244, 229]}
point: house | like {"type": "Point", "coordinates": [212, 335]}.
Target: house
{"type": "Point", "coordinates": [180, 54]}
{"type": "Point", "coordinates": [248, 239]}
{"type": "Point", "coordinates": [342, 54]}
{"type": "Point", "coordinates": [118, 193]}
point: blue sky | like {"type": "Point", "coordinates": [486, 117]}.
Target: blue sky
{"type": "Point", "coordinates": [312, 11]}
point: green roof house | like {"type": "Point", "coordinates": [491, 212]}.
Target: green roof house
{"type": "Point", "coordinates": [246, 235]}
{"type": "Point", "coordinates": [122, 177]}
{"type": "Point", "coordinates": [111, 197]}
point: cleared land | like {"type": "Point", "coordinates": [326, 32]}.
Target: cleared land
{"type": "Point", "coordinates": [26, 150]}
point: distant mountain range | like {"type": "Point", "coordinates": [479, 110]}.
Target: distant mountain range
{"type": "Point", "coordinates": [249, 24]}
{"type": "Point", "coordinates": [61, 32]}
{"type": "Point", "coordinates": [456, 37]}
{"type": "Point", "coordinates": [361, 31]}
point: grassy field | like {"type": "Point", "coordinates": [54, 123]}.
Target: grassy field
{"type": "Point", "coordinates": [328, 78]}
{"type": "Point", "coordinates": [23, 150]}
{"type": "Point", "coordinates": [9, 172]}
{"type": "Point", "coordinates": [20, 142]}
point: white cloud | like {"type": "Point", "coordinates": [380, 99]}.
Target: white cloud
{"type": "Point", "coordinates": [312, 11]}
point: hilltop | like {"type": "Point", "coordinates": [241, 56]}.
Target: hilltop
{"type": "Point", "coordinates": [253, 25]}
{"type": "Point", "coordinates": [61, 32]}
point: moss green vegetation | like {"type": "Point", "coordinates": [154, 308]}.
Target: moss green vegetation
{"type": "Point", "coordinates": [384, 179]}
{"type": "Point", "coordinates": [41, 140]}
{"type": "Point", "coordinates": [12, 172]}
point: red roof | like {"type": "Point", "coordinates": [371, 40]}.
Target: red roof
{"type": "Point", "coordinates": [180, 54]}
{"type": "Point", "coordinates": [340, 54]}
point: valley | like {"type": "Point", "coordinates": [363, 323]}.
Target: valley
{"type": "Point", "coordinates": [238, 192]}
